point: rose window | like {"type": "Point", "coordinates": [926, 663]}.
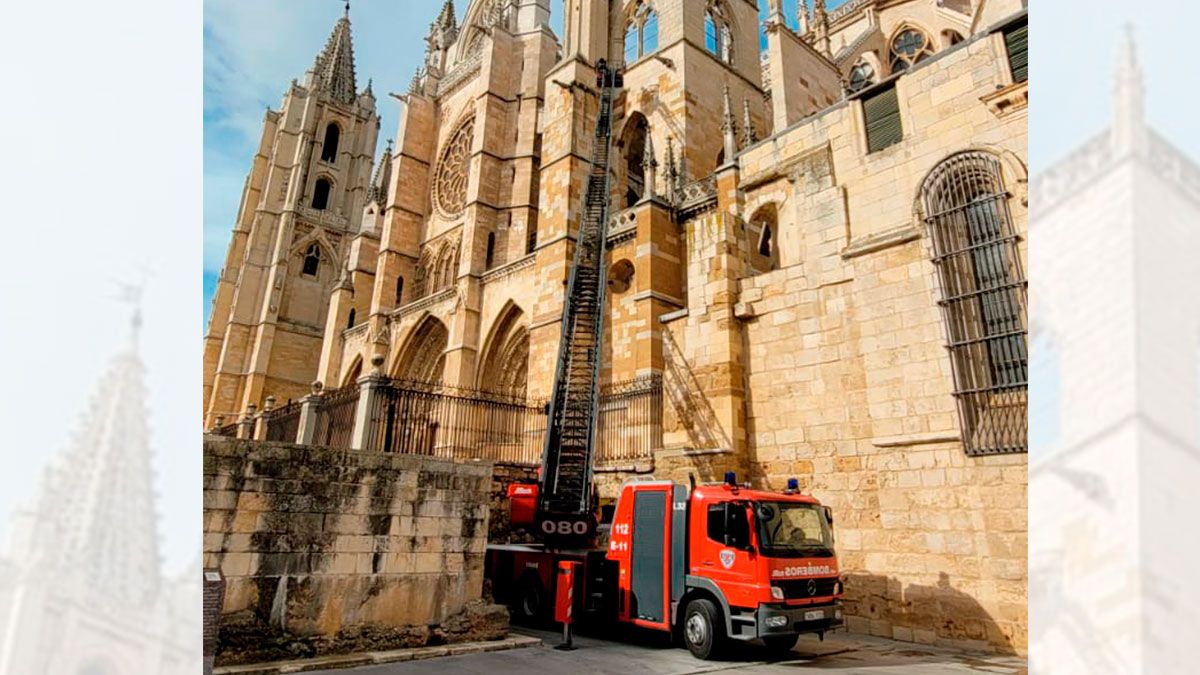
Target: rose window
{"type": "Point", "coordinates": [450, 185]}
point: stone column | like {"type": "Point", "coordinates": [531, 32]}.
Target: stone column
{"type": "Point", "coordinates": [308, 415]}
{"type": "Point", "coordinates": [246, 425]}
{"type": "Point", "coordinates": [366, 419]}
{"type": "Point", "coordinates": [260, 422]}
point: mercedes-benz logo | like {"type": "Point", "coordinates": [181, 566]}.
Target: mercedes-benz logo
{"type": "Point", "coordinates": [812, 587]}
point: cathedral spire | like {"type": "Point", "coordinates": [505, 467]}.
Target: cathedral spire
{"type": "Point", "coordinates": [729, 128]}
{"type": "Point", "coordinates": [749, 135]}
{"type": "Point", "coordinates": [383, 177]}
{"type": "Point", "coordinates": [1129, 118]}
{"type": "Point", "coordinates": [650, 166]}
{"type": "Point", "coordinates": [94, 522]}
{"type": "Point", "coordinates": [333, 69]}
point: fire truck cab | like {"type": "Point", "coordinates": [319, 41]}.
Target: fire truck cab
{"type": "Point", "coordinates": [724, 562]}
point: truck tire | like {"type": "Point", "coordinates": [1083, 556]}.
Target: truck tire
{"type": "Point", "coordinates": [703, 629]}
{"type": "Point", "coordinates": [780, 645]}
{"type": "Point", "coordinates": [529, 602]}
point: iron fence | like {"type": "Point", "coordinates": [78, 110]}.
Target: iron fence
{"type": "Point", "coordinates": [230, 430]}
{"type": "Point", "coordinates": [334, 420]}
{"type": "Point", "coordinates": [283, 423]}
{"type": "Point", "coordinates": [630, 421]}
{"type": "Point", "coordinates": [437, 420]}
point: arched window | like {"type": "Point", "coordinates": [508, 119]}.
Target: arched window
{"type": "Point", "coordinates": [763, 235]}
{"type": "Point", "coordinates": [620, 276]}
{"type": "Point", "coordinates": [983, 300]}
{"type": "Point", "coordinates": [399, 290]}
{"type": "Point", "coordinates": [909, 47]}
{"type": "Point", "coordinates": [631, 43]}
{"type": "Point", "coordinates": [491, 251]}
{"type": "Point", "coordinates": [650, 33]}
{"type": "Point", "coordinates": [718, 36]}
{"type": "Point", "coordinates": [861, 76]}
{"type": "Point", "coordinates": [350, 319]}
{"type": "Point", "coordinates": [312, 260]}
{"type": "Point", "coordinates": [330, 147]}
{"type": "Point", "coordinates": [950, 38]}
{"type": "Point", "coordinates": [321, 190]}
{"type": "Point", "coordinates": [641, 33]}
{"type": "Point", "coordinates": [633, 151]}
{"type": "Point", "coordinates": [765, 245]}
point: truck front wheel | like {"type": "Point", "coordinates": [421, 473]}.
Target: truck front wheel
{"type": "Point", "coordinates": [703, 630]}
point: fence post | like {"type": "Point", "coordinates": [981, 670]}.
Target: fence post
{"type": "Point", "coordinates": [364, 413]}
{"type": "Point", "coordinates": [245, 429]}
{"type": "Point", "coordinates": [307, 428]}
{"type": "Point", "coordinates": [260, 426]}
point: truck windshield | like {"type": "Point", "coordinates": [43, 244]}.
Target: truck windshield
{"type": "Point", "coordinates": [788, 529]}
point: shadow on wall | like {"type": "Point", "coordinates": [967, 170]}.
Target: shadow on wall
{"type": "Point", "coordinates": [937, 615]}
{"type": "Point", "coordinates": [693, 413]}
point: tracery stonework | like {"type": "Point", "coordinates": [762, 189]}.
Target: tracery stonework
{"type": "Point", "coordinates": [451, 183]}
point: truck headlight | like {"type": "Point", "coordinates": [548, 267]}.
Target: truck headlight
{"type": "Point", "coordinates": [777, 592]}
{"type": "Point", "coordinates": [776, 621]}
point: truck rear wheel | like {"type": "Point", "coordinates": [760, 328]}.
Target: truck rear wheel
{"type": "Point", "coordinates": [530, 601]}
{"type": "Point", "coordinates": [703, 629]}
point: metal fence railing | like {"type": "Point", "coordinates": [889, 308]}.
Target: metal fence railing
{"type": "Point", "coordinates": [334, 420]}
{"type": "Point", "coordinates": [283, 423]}
{"type": "Point", "coordinates": [441, 421]}
{"type": "Point", "coordinates": [630, 421]}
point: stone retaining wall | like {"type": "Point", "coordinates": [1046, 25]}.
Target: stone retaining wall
{"type": "Point", "coordinates": [325, 551]}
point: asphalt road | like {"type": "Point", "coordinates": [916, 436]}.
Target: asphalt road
{"type": "Point", "coordinates": [632, 655]}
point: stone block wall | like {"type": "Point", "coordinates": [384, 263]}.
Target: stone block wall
{"type": "Point", "coordinates": [320, 547]}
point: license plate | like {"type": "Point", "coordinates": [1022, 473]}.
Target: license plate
{"type": "Point", "coordinates": [813, 616]}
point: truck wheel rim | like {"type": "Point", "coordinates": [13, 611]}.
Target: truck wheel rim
{"type": "Point", "coordinates": [696, 629]}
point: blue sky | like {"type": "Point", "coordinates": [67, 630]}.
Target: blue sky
{"type": "Point", "coordinates": [252, 50]}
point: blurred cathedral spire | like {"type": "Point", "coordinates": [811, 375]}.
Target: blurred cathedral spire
{"type": "Point", "coordinates": [1129, 118]}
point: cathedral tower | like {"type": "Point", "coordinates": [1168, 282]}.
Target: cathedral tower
{"type": "Point", "coordinates": [303, 202]}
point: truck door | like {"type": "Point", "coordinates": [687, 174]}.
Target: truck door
{"type": "Point", "coordinates": [717, 558]}
{"type": "Point", "coordinates": [650, 575]}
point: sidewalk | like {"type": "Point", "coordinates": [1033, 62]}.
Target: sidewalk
{"type": "Point", "coordinates": [377, 658]}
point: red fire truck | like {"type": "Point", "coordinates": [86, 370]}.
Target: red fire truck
{"type": "Point", "coordinates": [709, 564]}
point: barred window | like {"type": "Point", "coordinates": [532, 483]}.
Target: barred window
{"type": "Point", "coordinates": [983, 300]}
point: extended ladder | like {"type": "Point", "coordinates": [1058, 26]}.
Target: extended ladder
{"type": "Point", "coordinates": [564, 501]}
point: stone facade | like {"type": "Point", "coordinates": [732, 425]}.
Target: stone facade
{"type": "Point", "coordinates": [774, 272]}
{"type": "Point", "coordinates": [324, 548]}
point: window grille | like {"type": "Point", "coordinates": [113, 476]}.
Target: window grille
{"type": "Point", "coordinates": [983, 300]}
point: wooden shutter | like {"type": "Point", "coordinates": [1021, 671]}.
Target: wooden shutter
{"type": "Point", "coordinates": [1017, 41]}
{"type": "Point", "coordinates": [882, 114]}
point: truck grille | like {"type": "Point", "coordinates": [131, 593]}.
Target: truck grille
{"type": "Point", "coordinates": [803, 589]}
